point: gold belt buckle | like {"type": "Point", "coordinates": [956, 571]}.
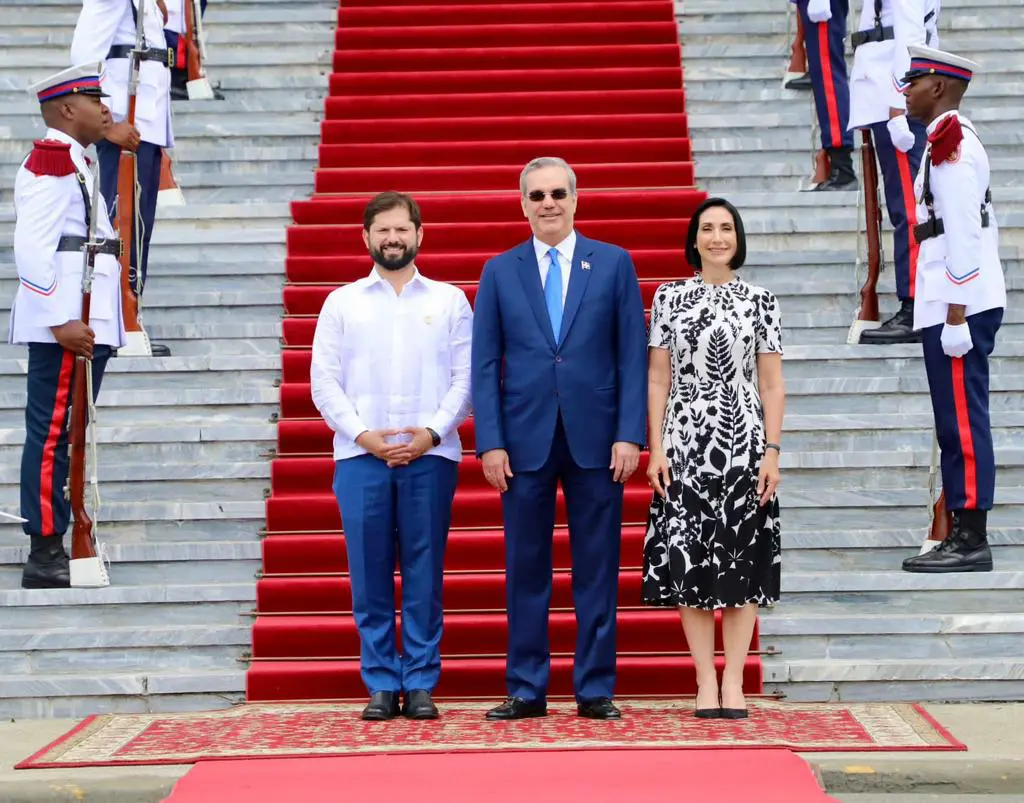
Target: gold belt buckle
{"type": "Point", "coordinates": [170, 58]}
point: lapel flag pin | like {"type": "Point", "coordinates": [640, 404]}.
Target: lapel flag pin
{"type": "Point", "coordinates": [585, 265]}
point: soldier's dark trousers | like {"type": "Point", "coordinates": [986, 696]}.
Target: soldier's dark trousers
{"type": "Point", "coordinates": [898, 172]}
{"type": "Point", "coordinates": [44, 461]}
{"type": "Point", "coordinates": [959, 390]}
{"type": "Point", "coordinates": [826, 64]}
{"type": "Point", "coordinates": [149, 157]}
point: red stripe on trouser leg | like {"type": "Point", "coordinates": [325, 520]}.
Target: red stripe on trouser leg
{"type": "Point", "coordinates": [963, 425]}
{"type": "Point", "coordinates": [60, 408]}
{"type": "Point", "coordinates": [825, 56]}
{"type": "Point", "coordinates": [910, 210]}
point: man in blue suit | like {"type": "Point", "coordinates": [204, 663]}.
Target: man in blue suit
{"type": "Point", "coordinates": [559, 388]}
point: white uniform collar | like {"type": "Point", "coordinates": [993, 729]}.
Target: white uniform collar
{"type": "Point", "coordinates": [76, 147]}
{"type": "Point", "coordinates": [566, 248]}
{"type": "Point", "coordinates": [935, 123]}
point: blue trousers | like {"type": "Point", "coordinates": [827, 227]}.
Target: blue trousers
{"type": "Point", "coordinates": [826, 63]}
{"type": "Point", "coordinates": [402, 513]}
{"type": "Point", "coordinates": [959, 390]}
{"type": "Point", "coordinates": [149, 157]}
{"type": "Point", "coordinates": [44, 460]}
{"type": "Point", "coordinates": [898, 171]}
{"type": "Point", "coordinates": [594, 506]}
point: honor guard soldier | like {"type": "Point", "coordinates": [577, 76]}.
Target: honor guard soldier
{"type": "Point", "coordinates": [106, 31]}
{"type": "Point", "coordinates": [959, 305]}
{"type": "Point", "coordinates": [174, 33]}
{"type": "Point", "coordinates": [824, 24]}
{"type": "Point", "coordinates": [53, 209]}
{"type": "Point", "coordinates": [880, 61]}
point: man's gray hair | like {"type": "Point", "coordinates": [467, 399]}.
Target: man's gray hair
{"type": "Point", "coordinates": [547, 161]}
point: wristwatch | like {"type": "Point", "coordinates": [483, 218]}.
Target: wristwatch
{"type": "Point", "coordinates": [434, 436]}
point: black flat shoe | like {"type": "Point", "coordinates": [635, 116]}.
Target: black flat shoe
{"type": "Point", "coordinates": [518, 708]}
{"type": "Point", "coordinates": [418, 705]}
{"type": "Point", "coordinates": [598, 708]}
{"type": "Point", "coordinates": [707, 713]}
{"type": "Point", "coordinates": [733, 713]}
{"type": "Point", "coordinates": [383, 705]}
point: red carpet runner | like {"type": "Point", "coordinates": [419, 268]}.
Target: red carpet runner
{"type": "Point", "coordinates": [448, 101]}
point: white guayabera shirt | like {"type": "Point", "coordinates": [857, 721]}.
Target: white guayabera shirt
{"type": "Point", "coordinates": [383, 360]}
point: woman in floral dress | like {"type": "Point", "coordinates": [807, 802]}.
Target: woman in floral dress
{"type": "Point", "coordinates": [716, 399]}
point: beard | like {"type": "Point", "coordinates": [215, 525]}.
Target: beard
{"type": "Point", "coordinates": [394, 263]}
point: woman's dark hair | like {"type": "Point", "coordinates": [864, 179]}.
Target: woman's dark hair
{"type": "Point", "coordinates": [693, 256]}
{"type": "Point", "coordinates": [385, 202]}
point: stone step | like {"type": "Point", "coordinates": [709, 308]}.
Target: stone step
{"type": "Point", "coordinates": [125, 637]}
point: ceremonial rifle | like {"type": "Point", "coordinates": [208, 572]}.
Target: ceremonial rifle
{"type": "Point", "coordinates": [867, 312]}
{"type": "Point", "coordinates": [198, 84]}
{"type": "Point", "coordinates": [88, 568]}
{"type": "Point", "coordinates": [128, 219]}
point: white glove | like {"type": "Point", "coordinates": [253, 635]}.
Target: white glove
{"type": "Point", "coordinates": [900, 133]}
{"type": "Point", "coordinates": [956, 340]}
{"type": "Point", "coordinates": [819, 10]}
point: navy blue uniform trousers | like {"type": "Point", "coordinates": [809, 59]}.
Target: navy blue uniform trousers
{"type": "Point", "coordinates": [959, 390]}
{"type": "Point", "coordinates": [898, 171]}
{"type": "Point", "coordinates": [398, 513]}
{"type": "Point", "coordinates": [594, 506]}
{"type": "Point", "coordinates": [149, 157]}
{"type": "Point", "coordinates": [44, 460]}
{"type": "Point", "coordinates": [826, 62]}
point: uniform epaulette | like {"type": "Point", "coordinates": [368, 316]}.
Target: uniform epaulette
{"type": "Point", "coordinates": [50, 157]}
{"type": "Point", "coordinates": [945, 140]}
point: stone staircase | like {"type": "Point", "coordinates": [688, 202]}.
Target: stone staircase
{"type": "Point", "coordinates": [183, 440]}
{"type": "Point", "coordinates": [851, 625]}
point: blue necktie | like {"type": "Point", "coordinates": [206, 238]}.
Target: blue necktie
{"type": "Point", "coordinates": [553, 293]}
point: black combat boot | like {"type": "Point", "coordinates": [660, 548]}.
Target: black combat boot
{"type": "Point", "coordinates": [898, 329]}
{"type": "Point", "coordinates": [47, 565]}
{"type": "Point", "coordinates": [841, 176]}
{"type": "Point", "coordinates": [965, 550]}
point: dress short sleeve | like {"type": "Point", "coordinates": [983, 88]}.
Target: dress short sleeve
{"type": "Point", "coordinates": [769, 324]}
{"type": "Point", "coordinates": [660, 333]}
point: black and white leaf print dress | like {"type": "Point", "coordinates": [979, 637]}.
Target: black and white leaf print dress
{"type": "Point", "coordinates": [709, 544]}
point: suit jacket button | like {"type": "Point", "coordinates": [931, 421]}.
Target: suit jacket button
{"type": "Point", "coordinates": [558, 359]}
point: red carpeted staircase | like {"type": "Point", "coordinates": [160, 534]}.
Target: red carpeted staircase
{"type": "Point", "coordinates": [448, 101]}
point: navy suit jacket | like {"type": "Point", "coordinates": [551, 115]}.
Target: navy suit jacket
{"type": "Point", "coordinates": [594, 372]}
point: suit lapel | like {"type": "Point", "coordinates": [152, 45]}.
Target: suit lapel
{"type": "Point", "coordinates": [529, 274]}
{"type": "Point", "coordinates": [578, 279]}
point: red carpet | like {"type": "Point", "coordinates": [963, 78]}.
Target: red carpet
{"type": "Point", "coordinates": [283, 730]}
{"type": "Point", "coordinates": [484, 87]}
{"type": "Point", "coordinates": [597, 777]}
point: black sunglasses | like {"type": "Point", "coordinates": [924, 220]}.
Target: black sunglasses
{"type": "Point", "coordinates": [556, 195]}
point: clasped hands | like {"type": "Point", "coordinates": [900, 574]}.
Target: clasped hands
{"type": "Point", "coordinates": [396, 454]}
{"type": "Point", "coordinates": [498, 470]}
{"type": "Point", "coordinates": [768, 477]}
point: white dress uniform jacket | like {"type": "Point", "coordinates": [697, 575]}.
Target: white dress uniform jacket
{"type": "Point", "coordinates": [104, 23]}
{"type": "Point", "coordinates": [175, 16]}
{"type": "Point", "coordinates": [876, 81]}
{"type": "Point", "coordinates": [50, 281]}
{"type": "Point", "coordinates": [961, 266]}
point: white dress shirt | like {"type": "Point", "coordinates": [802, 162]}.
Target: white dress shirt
{"type": "Point", "coordinates": [566, 249]}
{"type": "Point", "coordinates": [383, 360]}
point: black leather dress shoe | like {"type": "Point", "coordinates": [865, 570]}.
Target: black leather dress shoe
{"type": "Point", "coordinates": [418, 705]}
{"type": "Point", "coordinates": [966, 548]}
{"type": "Point", "coordinates": [160, 350]}
{"type": "Point", "coordinates": [47, 565]}
{"type": "Point", "coordinates": [898, 329]}
{"type": "Point", "coordinates": [383, 705]}
{"type": "Point", "coordinates": [598, 708]}
{"type": "Point", "coordinates": [518, 708]}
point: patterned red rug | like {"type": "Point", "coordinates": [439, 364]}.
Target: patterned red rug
{"type": "Point", "coordinates": [288, 730]}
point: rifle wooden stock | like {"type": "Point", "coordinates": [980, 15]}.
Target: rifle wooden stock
{"type": "Point", "coordinates": [193, 57]}
{"type": "Point", "coordinates": [83, 544]}
{"type": "Point", "coordinates": [873, 215]}
{"type": "Point", "coordinates": [942, 520]}
{"type": "Point", "coordinates": [798, 53]}
{"type": "Point", "coordinates": [125, 224]}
